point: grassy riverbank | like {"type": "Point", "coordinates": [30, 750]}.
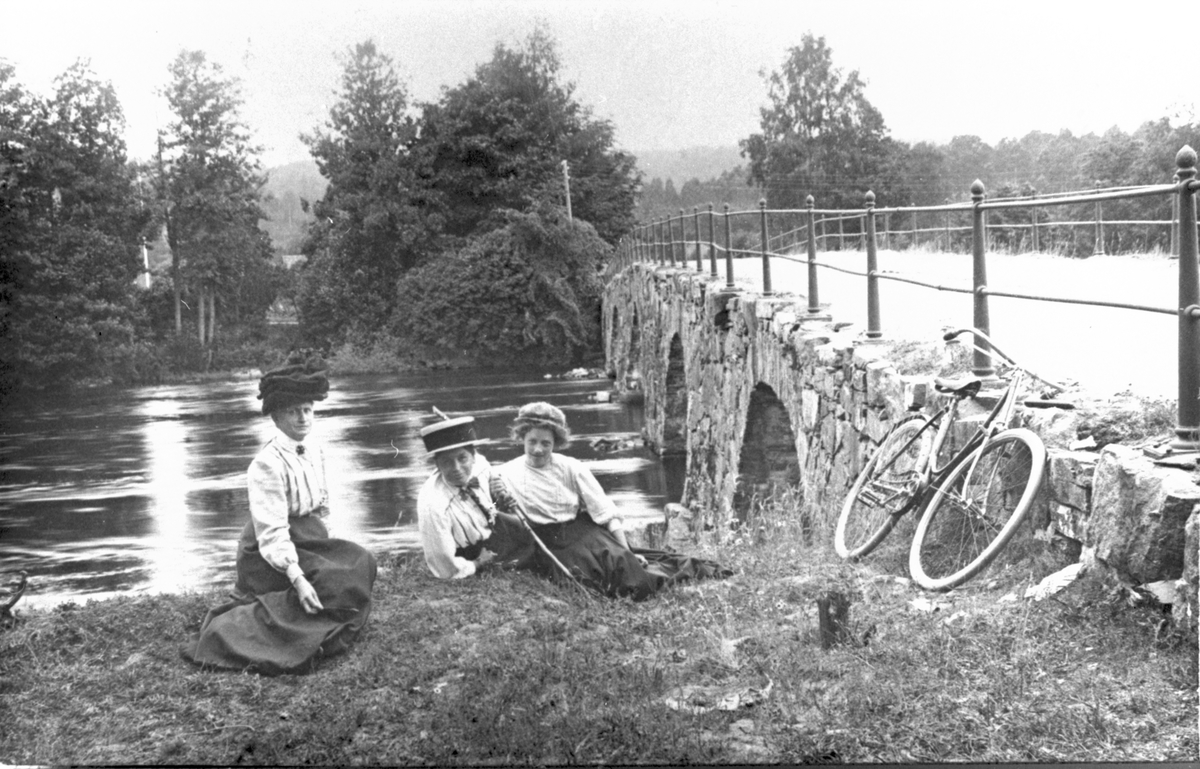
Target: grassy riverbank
{"type": "Point", "coordinates": [511, 669]}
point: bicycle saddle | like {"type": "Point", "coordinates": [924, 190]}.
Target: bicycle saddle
{"type": "Point", "coordinates": [962, 387]}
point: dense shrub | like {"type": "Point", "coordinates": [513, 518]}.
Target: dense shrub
{"type": "Point", "coordinates": [527, 292]}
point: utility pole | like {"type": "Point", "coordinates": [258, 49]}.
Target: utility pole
{"type": "Point", "coordinates": [567, 186]}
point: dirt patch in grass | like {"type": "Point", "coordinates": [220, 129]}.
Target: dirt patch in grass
{"type": "Point", "coordinates": [507, 668]}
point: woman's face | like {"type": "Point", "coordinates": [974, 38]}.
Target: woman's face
{"type": "Point", "coordinates": [294, 421]}
{"type": "Point", "coordinates": [539, 445]}
{"type": "Point", "coordinates": [455, 465]}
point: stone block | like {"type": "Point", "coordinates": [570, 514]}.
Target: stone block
{"type": "Point", "coordinates": [877, 425]}
{"type": "Point", "coordinates": [1185, 610]}
{"type": "Point", "coordinates": [783, 322]}
{"type": "Point", "coordinates": [916, 391]}
{"type": "Point", "coordinates": [879, 381]}
{"type": "Point", "coordinates": [1057, 428]}
{"type": "Point", "coordinates": [1069, 487]}
{"type": "Point", "coordinates": [1139, 512]}
{"type": "Point", "coordinates": [809, 403]}
{"type": "Point", "coordinates": [681, 524]}
{"type": "Point", "coordinates": [832, 356]}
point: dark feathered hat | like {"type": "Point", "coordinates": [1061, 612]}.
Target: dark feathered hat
{"type": "Point", "coordinates": [297, 381]}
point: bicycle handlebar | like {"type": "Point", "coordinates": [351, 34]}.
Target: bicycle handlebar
{"type": "Point", "coordinates": [950, 336]}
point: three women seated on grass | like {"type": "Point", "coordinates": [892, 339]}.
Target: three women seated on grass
{"type": "Point", "coordinates": [300, 594]}
{"type": "Point", "coordinates": [542, 511]}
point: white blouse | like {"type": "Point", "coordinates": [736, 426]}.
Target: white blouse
{"type": "Point", "coordinates": [283, 483]}
{"type": "Point", "coordinates": [554, 493]}
{"type": "Point", "coordinates": [448, 519]}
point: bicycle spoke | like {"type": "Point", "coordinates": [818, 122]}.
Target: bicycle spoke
{"type": "Point", "coordinates": [975, 512]}
{"type": "Point", "coordinates": [884, 489]}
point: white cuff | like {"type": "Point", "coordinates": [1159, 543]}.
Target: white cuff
{"type": "Point", "coordinates": [294, 571]}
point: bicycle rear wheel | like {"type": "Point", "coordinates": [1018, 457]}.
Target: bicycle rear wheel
{"type": "Point", "coordinates": [883, 489]}
{"type": "Point", "coordinates": [975, 512]}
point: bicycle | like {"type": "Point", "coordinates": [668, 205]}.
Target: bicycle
{"type": "Point", "coordinates": [972, 501]}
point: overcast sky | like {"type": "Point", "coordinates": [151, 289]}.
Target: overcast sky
{"type": "Point", "coordinates": [669, 74]}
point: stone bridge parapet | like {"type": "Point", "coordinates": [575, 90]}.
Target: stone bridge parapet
{"type": "Point", "coordinates": [764, 398]}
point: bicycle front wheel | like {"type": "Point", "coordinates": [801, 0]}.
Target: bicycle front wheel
{"type": "Point", "coordinates": [884, 489]}
{"type": "Point", "coordinates": [975, 512]}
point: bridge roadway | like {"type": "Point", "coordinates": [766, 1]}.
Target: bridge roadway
{"type": "Point", "coordinates": [1106, 350]}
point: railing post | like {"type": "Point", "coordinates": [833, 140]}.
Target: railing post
{"type": "Point", "coordinates": [668, 242]}
{"type": "Point", "coordinates": [873, 329]}
{"type": "Point", "coordinates": [1036, 242]}
{"type": "Point", "coordinates": [1098, 249]}
{"type": "Point", "coordinates": [682, 242]}
{"type": "Point", "coordinates": [659, 257]}
{"type": "Point", "coordinates": [1187, 429]}
{"type": "Point", "coordinates": [814, 303]}
{"type": "Point", "coordinates": [1175, 217]}
{"type": "Point", "coordinates": [983, 356]}
{"type": "Point", "coordinates": [841, 233]}
{"type": "Point", "coordinates": [728, 249]}
{"type": "Point", "coordinates": [915, 239]}
{"type": "Point", "coordinates": [712, 244]}
{"type": "Point", "coordinates": [949, 237]}
{"type": "Point", "coordinates": [696, 221]}
{"type": "Point", "coordinates": [664, 254]}
{"type": "Point", "coordinates": [766, 261]}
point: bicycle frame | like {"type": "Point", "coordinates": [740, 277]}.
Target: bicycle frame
{"type": "Point", "coordinates": [929, 476]}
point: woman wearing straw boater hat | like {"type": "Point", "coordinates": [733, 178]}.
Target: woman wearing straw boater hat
{"type": "Point", "coordinates": [461, 529]}
{"type": "Point", "coordinates": [575, 520]}
{"type": "Point", "coordinates": [300, 595]}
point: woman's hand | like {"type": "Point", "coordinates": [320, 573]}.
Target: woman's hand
{"type": "Point", "coordinates": [308, 595]}
{"type": "Point", "coordinates": [619, 535]}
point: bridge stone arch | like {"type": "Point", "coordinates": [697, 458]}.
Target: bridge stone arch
{"type": "Point", "coordinates": [675, 402]}
{"type": "Point", "coordinates": [768, 465]}
{"type": "Point", "coordinates": [744, 386]}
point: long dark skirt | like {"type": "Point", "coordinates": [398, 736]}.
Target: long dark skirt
{"type": "Point", "coordinates": [595, 557]}
{"type": "Point", "coordinates": [269, 632]}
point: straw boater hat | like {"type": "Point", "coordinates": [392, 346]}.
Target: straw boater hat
{"type": "Point", "coordinates": [449, 434]}
{"type": "Point", "coordinates": [297, 381]}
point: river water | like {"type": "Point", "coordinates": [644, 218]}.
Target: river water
{"type": "Point", "coordinates": [143, 490]}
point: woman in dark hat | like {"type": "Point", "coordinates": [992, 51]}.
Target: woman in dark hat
{"type": "Point", "coordinates": [577, 522]}
{"type": "Point", "coordinates": [461, 529]}
{"type": "Point", "coordinates": [300, 595]}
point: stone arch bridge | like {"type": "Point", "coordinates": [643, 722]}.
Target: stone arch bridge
{"type": "Point", "coordinates": [763, 397]}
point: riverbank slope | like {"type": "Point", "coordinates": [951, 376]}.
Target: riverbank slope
{"type": "Point", "coordinates": [508, 668]}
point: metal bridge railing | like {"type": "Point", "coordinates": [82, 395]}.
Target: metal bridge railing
{"type": "Point", "coordinates": [657, 243]}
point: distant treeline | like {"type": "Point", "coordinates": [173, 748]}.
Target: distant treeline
{"type": "Point", "coordinates": [931, 174]}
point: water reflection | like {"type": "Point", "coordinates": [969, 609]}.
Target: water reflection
{"type": "Point", "coordinates": [144, 490]}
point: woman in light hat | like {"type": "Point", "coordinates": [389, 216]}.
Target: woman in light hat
{"type": "Point", "coordinates": [575, 519]}
{"type": "Point", "coordinates": [460, 527]}
{"type": "Point", "coordinates": [300, 595]}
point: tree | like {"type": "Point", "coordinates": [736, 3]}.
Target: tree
{"type": "Point", "coordinates": [71, 225]}
{"type": "Point", "coordinates": [497, 143]}
{"type": "Point", "coordinates": [210, 180]}
{"type": "Point", "coordinates": [374, 221]}
{"type": "Point", "coordinates": [820, 135]}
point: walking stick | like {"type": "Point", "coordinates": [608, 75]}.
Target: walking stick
{"type": "Point", "coordinates": [500, 493]}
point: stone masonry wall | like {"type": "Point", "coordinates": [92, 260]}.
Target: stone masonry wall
{"type": "Point", "coordinates": [841, 396]}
